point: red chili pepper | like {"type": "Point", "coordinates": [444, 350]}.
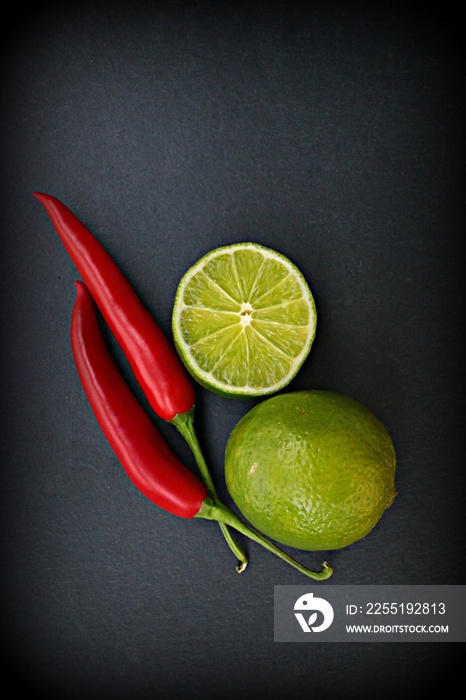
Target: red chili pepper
{"type": "Point", "coordinates": [145, 456]}
{"type": "Point", "coordinates": [153, 359]}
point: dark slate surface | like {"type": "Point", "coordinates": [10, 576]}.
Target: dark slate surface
{"type": "Point", "coordinates": [333, 134]}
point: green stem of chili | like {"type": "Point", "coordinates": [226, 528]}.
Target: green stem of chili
{"type": "Point", "coordinates": [214, 510]}
{"type": "Point", "coordinates": [184, 422]}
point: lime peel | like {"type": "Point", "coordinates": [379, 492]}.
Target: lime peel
{"type": "Point", "coordinates": [313, 470]}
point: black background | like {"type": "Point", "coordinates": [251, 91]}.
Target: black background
{"type": "Point", "coordinates": [332, 132]}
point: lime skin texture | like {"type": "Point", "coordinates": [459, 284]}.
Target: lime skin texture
{"type": "Point", "coordinates": [312, 469]}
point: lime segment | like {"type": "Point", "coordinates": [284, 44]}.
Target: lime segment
{"type": "Point", "coordinates": [244, 320]}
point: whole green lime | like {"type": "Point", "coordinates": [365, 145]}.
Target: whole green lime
{"type": "Point", "coordinates": [311, 469]}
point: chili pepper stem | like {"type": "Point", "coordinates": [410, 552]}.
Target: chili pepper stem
{"type": "Point", "coordinates": [184, 422]}
{"type": "Point", "coordinates": [214, 510]}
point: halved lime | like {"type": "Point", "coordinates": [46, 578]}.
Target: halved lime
{"type": "Point", "coordinates": [244, 320]}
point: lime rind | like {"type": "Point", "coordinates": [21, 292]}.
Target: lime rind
{"type": "Point", "coordinates": [314, 470]}
{"type": "Point", "coordinates": [244, 320]}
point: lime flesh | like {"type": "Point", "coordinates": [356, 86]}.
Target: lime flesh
{"type": "Point", "coordinates": [244, 320]}
{"type": "Point", "coordinates": [313, 470]}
